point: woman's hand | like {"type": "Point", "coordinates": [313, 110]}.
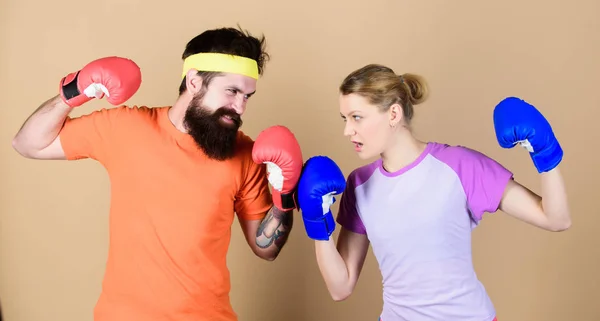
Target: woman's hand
{"type": "Point", "coordinates": [518, 122]}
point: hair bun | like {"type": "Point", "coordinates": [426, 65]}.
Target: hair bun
{"type": "Point", "coordinates": [418, 89]}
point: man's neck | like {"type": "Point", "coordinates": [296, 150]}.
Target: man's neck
{"type": "Point", "coordinates": [177, 112]}
{"type": "Point", "coordinates": [405, 150]}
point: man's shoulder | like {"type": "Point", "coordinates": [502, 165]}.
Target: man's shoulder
{"type": "Point", "coordinates": [244, 138]}
{"type": "Point", "coordinates": [243, 154]}
{"type": "Point", "coordinates": [136, 110]}
{"type": "Point", "coordinates": [131, 113]}
{"type": "Point", "coordinates": [244, 143]}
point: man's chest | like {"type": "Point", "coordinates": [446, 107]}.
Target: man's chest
{"type": "Point", "coordinates": [165, 183]}
{"type": "Point", "coordinates": [167, 164]}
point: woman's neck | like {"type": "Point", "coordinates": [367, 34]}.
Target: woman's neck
{"type": "Point", "coordinates": [405, 150]}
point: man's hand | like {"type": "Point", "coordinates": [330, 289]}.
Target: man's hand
{"type": "Point", "coordinates": [277, 147]}
{"type": "Point", "coordinates": [117, 78]}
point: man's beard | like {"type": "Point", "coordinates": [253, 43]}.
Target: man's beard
{"type": "Point", "coordinates": [214, 136]}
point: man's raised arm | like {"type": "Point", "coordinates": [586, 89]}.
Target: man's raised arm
{"type": "Point", "coordinates": [117, 78]}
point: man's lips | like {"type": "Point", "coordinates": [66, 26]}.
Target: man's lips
{"type": "Point", "coordinates": [230, 119]}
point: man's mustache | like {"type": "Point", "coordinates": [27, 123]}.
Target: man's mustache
{"type": "Point", "coordinates": [225, 111]}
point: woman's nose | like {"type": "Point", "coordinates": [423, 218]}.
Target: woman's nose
{"type": "Point", "coordinates": [348, 130]}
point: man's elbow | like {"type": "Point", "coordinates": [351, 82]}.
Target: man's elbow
{"type": "Point", "coordinates": [269, 258]}
{"type": "Point", "coordinates": [21, 148]}
{"type": "Point", "coordinates": [267, 255]}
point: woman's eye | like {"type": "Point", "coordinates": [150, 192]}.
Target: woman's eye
{"type": "Point", "coordinates": [356, 117]}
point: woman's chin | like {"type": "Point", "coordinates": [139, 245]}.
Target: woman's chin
{"type": "Point", "coordinates": [364, 155]}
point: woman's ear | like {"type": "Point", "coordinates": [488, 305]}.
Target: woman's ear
{"type": "Point", "coordinates": [193, 82]}
{"type": "Point", "coordinates": [396, 114]}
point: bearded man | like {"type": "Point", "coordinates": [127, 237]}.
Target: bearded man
{"type": "Point", "coordinates": [178, 176]}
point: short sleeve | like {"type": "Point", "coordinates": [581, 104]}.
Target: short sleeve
{"type": "Point", "coordinates": [89, 136]}
{"type": "Point", "coordinates": [254, 198]}
{"type": "Point", "coordinates": [483, 179]}
{"type": "Point", "coordinates": [348, 216]}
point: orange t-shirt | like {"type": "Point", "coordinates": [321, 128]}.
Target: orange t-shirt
{"type": "Point", "coordinates": [170, 216]}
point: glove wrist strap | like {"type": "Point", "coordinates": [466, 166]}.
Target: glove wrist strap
{"type": "Point", "coordinates": [548, 158]}
{"type": "Point", "coordinates": [319, 228]}
{"type": "Point", "coordinates": [286, 201]}
{"type": "Point", "coordinates": [69, 91]}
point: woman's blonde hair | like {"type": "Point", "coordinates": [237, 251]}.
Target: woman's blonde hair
{"type": "Point", "coordinates": [382, 87]}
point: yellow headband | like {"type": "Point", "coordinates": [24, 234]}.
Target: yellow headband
{"type": "Point", "coordinates": [221, 63]}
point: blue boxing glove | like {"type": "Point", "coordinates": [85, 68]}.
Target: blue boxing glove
{"type": "Point", "coordinates": [517, 122]}
{"type": "Point", "coordinates": [321, 179]}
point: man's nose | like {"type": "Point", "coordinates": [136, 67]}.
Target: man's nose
{"type": "Point", "coordinates": [239, 104]}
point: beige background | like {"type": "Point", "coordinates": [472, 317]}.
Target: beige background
{"type": "Point", "coordinates": [53, 232]}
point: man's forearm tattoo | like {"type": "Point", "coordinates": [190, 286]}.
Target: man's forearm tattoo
{"type": "Point", "coordinates": [274, 229]}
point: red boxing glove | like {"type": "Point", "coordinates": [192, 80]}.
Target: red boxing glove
{"type": "Point", "coordinates": [277, 147]}
{"type": "Point", "coordinates": [117, 78]}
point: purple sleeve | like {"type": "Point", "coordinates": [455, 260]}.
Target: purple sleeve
{"type": "Point", "coordinates": [482, 178]}
{"type": "Point", "coordinates": [348, 214]}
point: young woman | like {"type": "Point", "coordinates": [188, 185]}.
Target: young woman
{"type": "Point", "coordinates": [417, 204]}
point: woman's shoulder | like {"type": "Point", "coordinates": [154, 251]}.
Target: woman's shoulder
{"type": "Point", "coordinates": [467, 162]}
{"type": "Point", "coordinates": [456, 153]}
{"type": "Point", "coordinates": [361, 174]}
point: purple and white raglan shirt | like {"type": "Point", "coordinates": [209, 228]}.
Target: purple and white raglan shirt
{"type": "Point", "coordinates": [419, 222]}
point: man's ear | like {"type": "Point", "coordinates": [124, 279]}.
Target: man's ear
{"type": "Point", "coordinates": [193, 82]}
{"type": "Point", "coordinates": [396, 115]}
